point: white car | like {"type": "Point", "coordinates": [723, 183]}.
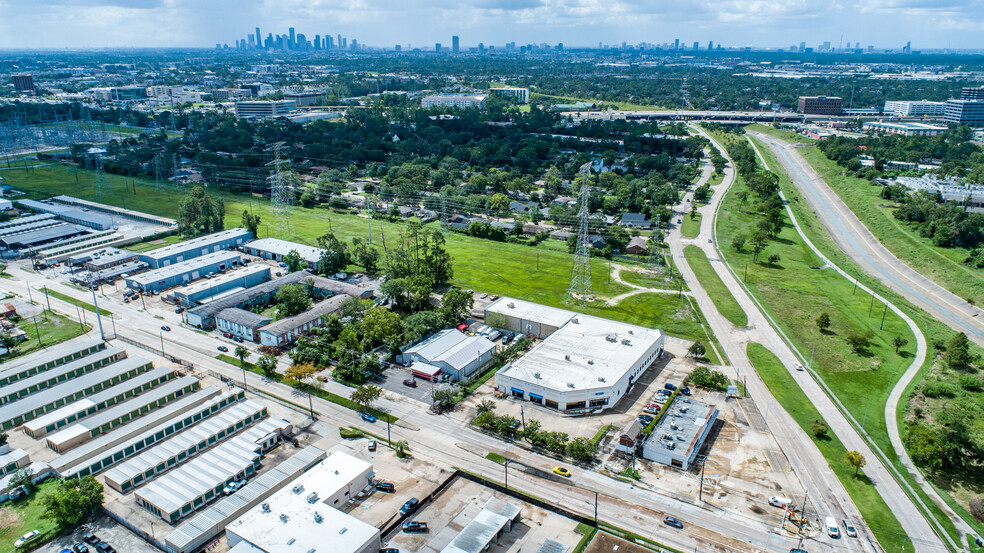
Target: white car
{"type": "Point", "coordinates": [798, 366]}
{"type": "Point", "coordinates": [33, 534]}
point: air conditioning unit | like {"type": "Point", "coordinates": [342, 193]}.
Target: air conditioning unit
{"type": "Point", "coordinates": [312, 497]}
{"type": "Point", "coordinates": [570, 384]}
{"type": "Point", "coordinates": [625, 342]}
{"type": "Point", "coordinates": [317, 517]}
{"type": "Point", "coordinates": [591, 361]}
{"type": "Point", "coordinates": [297, 489]}
{"type": "Point", "coordinates": [283, 518]}
{"type": "Point", "coordinates": [265, 507]}
{"type": "Point", "coordinates": [511, 305]}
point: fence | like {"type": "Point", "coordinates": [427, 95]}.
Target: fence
{"type": "Point", "coordinates": [155, 351]}
{"type": "Point", "coordinates": [386, 530]}
{"type": "Point", "coordinates": [143, 535]}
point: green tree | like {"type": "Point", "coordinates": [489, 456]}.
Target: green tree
{"type": "Point", "coordinates": [335, 255]}
{"type": "Point", "coordinates": [485, 406]}
{"type": "Point", "coordinates": [444, 398]}
{"type": "Point", "coordinates": [580, 449]}
{"type": "Point", "coordinates": [365, 255]}
{"type": "Point", "coordinates": [506, 425]}
{"type": "Point", "coordinates": [760, 241]}
{"type": "Point", "coordinates": [855, 459]}
{"type": "Point", "coordinates": [3, 438]}
{"type": "Point", "coordinates": [823, 322]}
{"type": "Point", "coordinates": [22, 477]}
{"type": "Point", "coordinates": [70, 501]}
{"type": "Point", "coordinates": [531, 430]}
{"type": "Point", "coordinates": [899, 342]}
{"type": "Point", "coordinates": [366, 395]}
{"type": "Point", "coordinates": [819, 429]}
{"type": "Point", "coordinates": [485, 419]}
{"type": "Point", "coordinates": [693, 212]}
{"type": "Point", "coordinates": [380, 324]}
{"type": "Point", "coordinates": [267, 364]}
{"type": "Point", "coordinates": [199, 213]}
{"type": "Point", "coordinates": [859, 342]}
{"type": "Point", "coordinates": [292, 299]}
{"type": "Point", "coordinates": [251, 222]}
{"type": "Point", "coordinates": [497, 203]}
{"type": "Point", "coordinates": [299, 371]}
{"type": "Point", "coordinates": [925, 446]}
{"type": "Point", "coordinates": [455, 303]}
{"type": "Point", "coordinates": [294, 261]}
{"type": "Point", "coordinates": [402, 448]}
{"type": "Point", "coordinates": [738, 243]}
{"type": "Point", "coordinates": [697, 350]}
{"type": "Point", "coordinates": [242, 353]}
{"type": "Point", "coordinates": [773, 259]}
{"type": "Point", "coordinates": [957, 354]}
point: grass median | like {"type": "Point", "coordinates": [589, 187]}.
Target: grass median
{"type": "Point", "coordinates": [690, 227]}
{"type": "Point", "coordinates": [726, 304]}
{"type": "Point", "coordinates": [77, 302]}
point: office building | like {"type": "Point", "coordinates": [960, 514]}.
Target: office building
{"type": "Point", "coordinates": [904, 129]}
{"type": "Point", "coordinates": [23, 83]}
{"type": "Point", "coordinates": [585, 364]}
{"type": "Point", "coordinates": [819, 105]}
{"type": "Point", "coordinates": [259, 41]}
{"type": "Point", "coordinates": [291, 44]}
{"type": "Point", "coordinates": [183, 251]}
{"type": "Point", "coordinates": [455, 44]}
{"type": "Point", "coordinates": [264, 109]}
{"type": "Point", "coordinates": [437, 47]}
{"type": "Point", "coordinates": [519, 95]}
{"type": "Point", "coordinates": [454, 100]}
{"type": "Point", "coordinates": [242, 323]}
{"type": "Point", "coordinates": [680, 434]}
{"type": "Point", "coordinates": [184, 272]}
{"type": "Point", "coordinates": [964, 112]}
{"type": "Point", "coordinates": [914, 108]}
{"type": "Point", "coordinates": [305, 516]}
{"type": "Point", "coordinates": [302, 99]}
{"type": "Point", "coordinates": [972, 93]}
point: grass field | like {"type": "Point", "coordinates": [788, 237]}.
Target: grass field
{"type": "Point", "coordinates": [690, 227]}
{"type": "Point", "coordinates": [54, 330]}
{"type": "Point", "coordinates": [23, 515]}
{"type": "Point", "coordinates": [877, 514]}
{"type": "Point", "coordinates": [788, 136]}
{"type": "Point", "coordinates": [627, 106]}
{"type": "Point", "coordinates": [944, 266]}
{"type": "Point", "coordinates": [712, 283]}
{"type": "Point", "coordinates": [69, 299]}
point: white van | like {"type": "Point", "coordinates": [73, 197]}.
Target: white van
{"type": "Point", "coordinates": [832, 529]}
{"type": "Point", "coordinates": [780, 501]}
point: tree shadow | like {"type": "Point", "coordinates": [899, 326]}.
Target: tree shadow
{"type": "Point", "coordinates": [828, 332]}
{"type": "Point", "coordinates": [906, 354]}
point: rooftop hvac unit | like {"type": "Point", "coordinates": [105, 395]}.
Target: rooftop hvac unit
{"type": "Point", "coordinates": [631, 332]}
{"type": "Point", "coordinates": [317, 517]}
{"type": "Point", "coordinates": [574, 320]}
{"type": "Point", "coordinates": [570, 384]}
{"type": "Point", "coordinates": [298, 488]}
{"type": "Point", "coordinates": [283, 518]}
{"type": "Point", "coordinates": [591, 361]}
{"type": "Point", "coordinates": [601, 379]}
{"type": "Point", "coordinates": [343, 530]}
{"type": "Point", "coordinates": [567, 357]}
{"type": "Point", "coordinates": [673, 426]}
{"type": "Point", "coordinates": [625, 342]}
{"type": "Point", "coordinates": [684, 409]}
{"type": "Point", "coordinates": [265, 507]}
{"type": "Point", "coordinates": [511, 305]}
{"type": "Point", "coordinates": [611, 338]}
{"type": "Point", "coordinates": [536, 375]}
{"type": "Point", "coordinates": [312, 497]}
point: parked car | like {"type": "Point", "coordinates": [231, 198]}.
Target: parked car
{"type": "Point", "coordinates": [483, 295]}
{"type": "Point", "coordinates": [372, 445]}
{"type": "Point", "coordinates": [832, 530]}
{"type": "Point", "coordinates": [227, 335]}
{"type": "Point", "coordinates": [80, 548]}
{"type": "Point", "coordinates": [414, 527]}
{"type": "Point", "coordinates": [179, 309]}
{"type": "Point", "coordinates": [32, 535]}
{"type": "Point", "coordinates": [669, 386]}
{"type": "Point", "coordinates": [238, 339]}
{"type": "Point", "coordinates": [670, 521]}
{"type": "Point", "coordinates": [324, 378]}
{"type": "Point", "coordinates": [849, 529]}
{"type": "Point", "coordinates": [389, 550]}
{"type": "Point", "coordinates": [385, 487]}
{"type": "Point", "coordinates": [410, 506]}
{"type": "Point", "coordinates": [645, 419]}
{"type": "Point", "coordinates": [561, 471]}
{"type": "Point", "coordinates": [780, 501]}
{"type": "Point", "coordinates": [650, 410]}
{"type": "Point", "coordinates": [410, 382]}
{"type": "Point", "coordinates": [166, 328]}
{"type": "Point", "coordinates": [223, 349]}
{"type": "Point", "coordinates": [103, 547]}
{"type": "Point", "coordinates": [685, 390]}
{"type": "Point", "coordinates": [368, 417]}
{"type": "Point", "coordinates": [91, 538]}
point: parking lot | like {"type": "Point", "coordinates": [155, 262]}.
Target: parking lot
{"type": "Point", "coordinates": [392, 379]}
{"type": "Point", "coordinates": [123, 540]}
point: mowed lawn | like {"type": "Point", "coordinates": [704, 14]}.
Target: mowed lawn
{"type": "Point", "coordinates": [877, 514]}
{"type": "Point", "coordinates": [944, 266]}
{"type": "Point", "coordinates": [23, 515]}
{"type": "Point", "coordinates": [715, 287]}
{"type": "Point", "coordinates": [54, 329]}
{"type": "Point", "coordinates": [540, 274]}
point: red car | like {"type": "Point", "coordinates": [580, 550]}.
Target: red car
{"type": "Point", "coordinates": [655, 406]}
{"type": "Point", "coordinates": [227, 335]}
{"type": "Point", "coordinates": [410, 382]}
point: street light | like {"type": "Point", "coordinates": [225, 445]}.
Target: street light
{"type": "Point", "coordinates": [890, 377]}
{"type": "Point", "coordinates": [865, 416]}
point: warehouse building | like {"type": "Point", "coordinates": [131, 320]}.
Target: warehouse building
{"type": "Point", "coordinates": [121, 413]}
{"type": "Point", "coordinates": [276, 249]}
{"type": "Point", "coordinates": [30, 222]}
{"type": "Point", "coordinates": [192, 485]}
{"type": "Point", "coordinates": [483, 532]}
{"type": "Point", "coordinates": [456, 354]}
{"type": "Point", "coordinates": [211, 522]}
{"type": "Point", "coordinates": [588, 364]}
{"type": "Point", "coordinates": [525, 317]}
{"type": "Point", "coordinates": [298, 519]}
{"type": "Point", "coordinates": [184, 272]}
{"type": "Point", "coordinates": [34, 239]}
{"type": "Point", "coordinates": [242, 323]}
{"type": "Point", "coordinates": [196, 247]}
{"type": "Point", "coordinates": [207, 290]}
{"type": "Point", "coordinates": [111, 448]}
{"type": "Point", "coordinates": [680, 434]}
{"type": "Point", "coordinates": [195, 440]}
{"type": "Point", "coordinates": [117, 211]}
{"type": "Point", "coordinates": [63, 249]}
{"type": "Point", "coordinates": [286, 331]}
{"type": "Point", "coordinates": [103, 258]}
{"type": "Point", "coordinates": [89, 405]}
{"type": "Point", "coordinates": [70, 215]}
{"type": "Point", "coordinates": [48, 358]}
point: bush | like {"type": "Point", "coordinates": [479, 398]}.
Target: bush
{"type": "Point", "coordinates": [976, 509]}
{"type": "Point", "coordinates": [350, 433]}
{"type": "Point", "coordinates": [970, 382]}
{"type": "Point", "coordinates": [819, 429]}
{"type": "Point", "coordinates": [939, 389]}
{"type": "Point", "coordinates": [706, 378]}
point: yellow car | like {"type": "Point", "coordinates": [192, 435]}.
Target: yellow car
{"type": "Point", "coordinates": [561, 471]}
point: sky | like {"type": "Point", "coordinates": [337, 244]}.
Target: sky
{"type": "Point", "coordinates": [927, 24]}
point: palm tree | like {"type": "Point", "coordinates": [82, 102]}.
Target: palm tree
{"type": "Point", "coordinates": [242, 353]}
{"type": "Point", "coordinates": [402, 448]}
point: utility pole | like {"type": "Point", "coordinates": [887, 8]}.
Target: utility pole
{"type": "Point", "coordinates": [369, 213]}
{"type": "Point", "coordinates": [95, 301]}
{"type": "Point", "coordinates": [872, 304]}
{"type": "Point", "coordinates": [882, 325]}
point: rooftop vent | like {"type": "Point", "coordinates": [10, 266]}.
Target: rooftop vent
{"type": "Point", "coordinates": [601, 379]}
{"type": "Point", "coordinates": [570, 384]}
{"type": "Point", "coordinates": [536, 375]}
{"type": "Point", "coordinates": [298, 488]}
{"type": "Point", "coordinates": [631, 332]}
{"type": "Point", "coordinates": [567, 357]}
{"type": "Point", "coordinates": [265, 507]}
{"type": "Point", "coordinates": [591, 361]}
{"type": "Point", "coordinates": [343, 530]}
{"type": "Point", "coordinates": [574, 320]}
{"type": "Point", "coordinates": [283, 518]}
{"type": "Point", "coordinates": [511, 305]}
{"type": "Point", "coordinates": [611, 338]}
{"type": "Point", "coordinates": [317, 517]}
{"type": "Point", "coordinates": [625, 342]}
{"type": "Point", "coordinates": [312, 497]}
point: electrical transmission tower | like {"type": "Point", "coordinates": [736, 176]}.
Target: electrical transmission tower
{"type": "Point", "coordinates": [655, 260]}
{"type": "Point", "coordinates": [100, 176]}
{"type": "Point", "coordinates": [444, 213]}
{"type": "Point", "coordinates": [281, 190]}
{"type": "Point", "coordinates": [157, 172]}
{"type": "Point", "coordinates": [580, 289]}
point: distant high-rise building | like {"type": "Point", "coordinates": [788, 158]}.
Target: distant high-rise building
{"type": "Point", "coordinates": [972, 93]}
{"type": "Point", "coordinates": [802, 46]}
{"type": "Point", "coordinates": [398, 48]}
{"type": "Point", "coordinates": [317, 42]}
{"type": "Point", "coordinates": [23, 83]}
{"type": "Point", "coordinates": [355, 44]}
{"type": "Point", "coordinates": [964, 112]}
{"type": "Point", "coordinates": [339, 43]}
{"type": "Point", "coordinates": [329, 42]}
{"type": "Point", "coordinates": [710, 45]}
{"type": "Point", "coordinates": [252, 42]}
{"type": "Point", "coordinates": [437, 47]}
{"type": "Point", "coordinates": [696, 46]}
{"type": "Point", "coordinates": [455, 45]}
{"type": "Point", "coordinates": [908, 48]}
{"type": "Point", "coordinates": [301, 43]}
{"type": "Point", "coordinates": [560, 45]}
{"type": "Point", "coordinates": [259, 41]}
{"type": "Point", "coordinates": [292, 44]}
{"type": "Point", "coordinates": [676, 44]}
{"type": "Point", "coordinates": [481, 46]}
{"type": "Point", "coordinates": [819, 105]}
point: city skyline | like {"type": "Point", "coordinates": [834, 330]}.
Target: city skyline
{"type": "Point", "coordinates": [885, 24]}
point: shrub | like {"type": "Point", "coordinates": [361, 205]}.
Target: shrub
{"type": "Point", "coordinates": [819, 429]}
{"type": "Point", "coordinates": [939, 389]}
{"type": "Point", "coordinates": [970, 382]}
{"type": "Point", "coordinates": [976, 509]}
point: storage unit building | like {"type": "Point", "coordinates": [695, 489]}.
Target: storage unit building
{"type": "Point", "coordinates": [206, 290]}
{"type": "Point", "coordinates": [184, 272]}
{"type": "Point", "coordinates": [61, 373]}
{"type": "Point", "coordinates": [48, 358]}
{"type": "Point", "coordinates": [196, 247]}
{"type": "Point", "coordinates": [12, 459]}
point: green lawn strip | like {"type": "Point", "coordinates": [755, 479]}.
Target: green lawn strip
{"type": "Point", "coordinates": [690, 227]}
{"type": "Point", "coordinates": [308, 388]}
{"type": "Point", "coordinates": [495, 457]}
{"type": "Point", "coordinates": [635, 538]}
{"type": "Point", "coordinates": [782, 134]}
{"type": "Point", "coordinates": [726, 304]}
{"type": "Point", "coordinates": [77, 302]}
{"type": "Point", "coordinates": [350, 433]}
{"type": "Point", "coordinates": [944, 266]}
{"type": "Point", "coordinates": [716, 179]}
{"type": "Point", "coordinates": [876, 513]}
{"type": "Point", "coordinates": [54, 329]}
{"type": "Point", "coordinates": [22, 516]}
{"type": "Point", "coordinates": [844, 386]}
{"type": "Point", "coordinates": [652, 279]}
{"type": "Point", "coordinates": [587, 534]}
{"type": "Point", "coordinates": [156, 243]}
{"type": "Point", "coordinates": [599, 435]}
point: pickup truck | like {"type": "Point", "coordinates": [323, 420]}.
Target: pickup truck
{"type": "Point", "coordinates": [414, 527]}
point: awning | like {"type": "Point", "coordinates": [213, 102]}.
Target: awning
{"type": "Point", "coordinates": [518, 391]}
{"type": "Point", "coordinates": [535, 396]}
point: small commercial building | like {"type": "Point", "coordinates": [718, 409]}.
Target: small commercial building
{"type": "Point", "coordinates": [629, 438]}
{"type": "Point", "coordinates": [242, 323]}
{"type": "Point", "coordinates": [276, 249]}
{"type": "Point", "coordinates": [454, 101]}
{"type": "Point", "coordinates": [482, 533]}
{"type": "Point", "coordinates": [196, 247]}
{"type": "Point", "coordinates": [184, 272]}
{"type": "Point", "coordinates": [902, 128]}
{"type": "Point", "coordinates": [267, 109]}
{"type": "Point", "coordinates": [637, 245]}
{"type": "Point", "coordinates": [206, 290]}
{"type": "Point", "coordinates": [587, 364]}
{"type": "Point", "coordinates": [103, 258]}
{"type": "Point", "coordinates": [680, 434]}
{"type": "Point", "coordinates": [819, 105]}
{"type": "Point", "coordinates": [456, 354]}
{"type": "Point", "coordinates": [286, 330]}
{"type": "Point", "coordinates": [526, 317]}
{"type": "Point", "coordinates": [304, 516]}
{"type": "Point", "coordinates": [518, 95]}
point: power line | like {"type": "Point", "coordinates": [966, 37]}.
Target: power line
{"type": "Point", "coordinates": [282, 192]}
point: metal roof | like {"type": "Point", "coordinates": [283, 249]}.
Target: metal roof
{"type": "Point", "coordinates": [199, 243]}
{"type": "Point", "coordinates": [43, 235]}
{"type": "Point", "coordinates": [280, 247]}
{"type": "Point", "coordinates": [49, 354]}
{"type": "Point", "coordinates": [481, 530]}
{"type": "Point", "coordinates": [213, 520]}
{"type": "Point", "coordinates": [183, 267]}
{"type": "Point", "coordinates": [317, 311]}
{"type": "Point", "coordinates": [26, 220]}
{"type": "Point", "coordinates": [234, 300]}
{"type": "Point", "coordinates": [7, 231]}
{"type": "Point", "coordinates": [242, 317]}
{"type": "Point", "coordinates": [218, 280]}
{"type": "Point", "coordinates": [10, 391]}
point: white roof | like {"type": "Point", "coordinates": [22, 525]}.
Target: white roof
{"type": "Point", "coordinates": [277, 246]}
{"type": "Point", "coordinates": [230, 276]}
{"type": "Point", "coordinates": [529, 311]}
{"type": "Point", "coordinates": [199, 263]}
{"type": "Point", "coordinates": [587, 353]}
{"type": "Point", "coordinates": [198, 243]}
{"type": "Point", "coordinates": [338, 532]}
{"type": "Point", "coordinates": [482, 529]}
{"type": "Point", "coordinates": [452, 347]}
